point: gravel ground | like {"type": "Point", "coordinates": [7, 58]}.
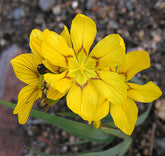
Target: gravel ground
{"type": "Point", "coordinates": [141, 23]}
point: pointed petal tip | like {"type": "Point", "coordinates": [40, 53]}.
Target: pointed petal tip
{"type": "Point", "coordinates": [35, 33]}
{"type": "Point", "coordinates": [125, 115]}
{"type": "Point", "coordinates": [83, 32]}
{"type": "Point", "coordinates": [15, 111]}
{"type": "Point", "coordinates": [109, 49]}
{"type": "Point", "coordinates": [134, 62]}
{"type": "Point", "coordinates": [148, 92]}
{"type": "Point", "coordinates": [22, 122]}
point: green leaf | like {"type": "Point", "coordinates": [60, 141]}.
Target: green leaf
{"type": "Point", "coordinates": [77, 143]}
{"type": "Point", "coordinates": [76, 128]}
{"type": "Point", "coordinates": [9, 104]}
{"type": "Point", "coordinates": [143, 116]}
{"type": "Point", "coordinates": [114, 132]}
{"type": "Point", "coordinates": [52, 102]}
{"type": "Point", "coordinates": [127, 139]}
{"type": "Point", "coordinates": [109, 124]}
{"type": "Point", "coordinates": [108, 118]}
{"type": "Point", "coordinates": [69, 114]}
{"type": "Point", "coordinates": [136, 80]}
{"type": "Point", "coordinates": [79, 129]}
{"type": "Point", "coordinates": [119, 149]}
{"type": "Point", "coordinates": [83, 152]}
{"type": "Point", "coordinates": [125, 146]}
{"type": "Point", "coordinates": [44, 154]}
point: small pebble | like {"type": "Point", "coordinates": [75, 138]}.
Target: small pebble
{"type": "Point", "coordinates": [141, 34]}
{"type": "Point", "coordinates": [64, 149]}
{"type": "Point", "coordinates": [3, 42]}
{"type": "Point", "coordinates": [158, 66]}
{"type": "Point", "coordinates": [146, 151]}
{"type": "Point", "coordinates": [160, 4]}
{"type": "Point", "coordinates": [128, 5]}
{"type": "Point", "coordinates": [160, 107]}
{"type": "Point", "coordinates": [46, 5]}
{"type": "Point", "coordinates": [57, 136]}
{"type": "Point", "coordinates": [72, 139]}
{"type": "Point", "coordinates": [113, 24]}
{"type": "Point", "coordinates": [56, 10]}
{"type": "Point", "coordinates": [74, 4]}
{"type": "Point", "coordinates": [18, 13]}
{"type": "Point", "coordinates": [39, 19]}
{"type": "Point", "coordinates": [143, 142]}
{"type": "Point", "coordinates": [161, 143]}
{"type": "Point", "coordinates": [64, 134]}
{"type": "Point", "coordinates": [157, 38]}
{"type": "Point", "coordinates": [48, 150]}
{"type": "Point", "coordinates": [75, 149]}
{"type": "Point", "coordinates": [45, 134]}
{"type": "Point", "coordinates": [90, 4]}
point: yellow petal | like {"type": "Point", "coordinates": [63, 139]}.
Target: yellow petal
{"type": "Point", "coordinates": [144, 93]}
{"type": "Point", "coordinates": [97, 123]}
{"type": "Point", "coordinates": [125, 115]}
{"type": "Point", "coordinates": [109, 51]}
{"type": "Point", "coordinates": [74, 102]}
{"type": "Point", "coordinates": [65, 34]}
{"type": "Point", "coordinates": [26, 98]}
{"type": "Point", "coordinates": [54, 94]}
{"type": "Point", "coordinates": [134, 62]}
{"type": "Point", "coordinates": [81, 79]}
{"type": "Point", "coordinates": [83, 101]}
{"type": "Point", "coordinates": [25, 68]}
{"type": "Point", "coordinates": [36, 37]}
{"type": "Point", "coordinates": [55, 49]}
{"type": "Point", "coordinates": [51, 67]}
{"type": "Point", "coordinates": [36, 33]}
{"type": "Point", "coordinates": [102, 109]}
{"type": "Point", "coordinates": [59, 82]}
{"type": "Point", "coordinates": [111, 86]}
{"type": "Point", "coordinates": [83, 32]}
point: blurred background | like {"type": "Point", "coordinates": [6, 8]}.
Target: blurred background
{"type": "Point", "coordinates": [141, 24]}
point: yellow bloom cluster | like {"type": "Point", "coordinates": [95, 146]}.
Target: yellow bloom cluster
{"type": "Point", "coordinates": [95, 82]}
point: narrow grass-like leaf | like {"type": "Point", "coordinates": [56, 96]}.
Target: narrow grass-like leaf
{"type": "Point", "coordinates": [84, 152]}
{"type": "Point", "coordinates": [114, 132]}
{"type": "Point", "coordinates": [143, 116]}
{"type": "Point", "coordinates": [119, 150]}
{"type": "Point", "coordinates": [76, 128]}
{"type": "Point", "coordinates": [44, 154]}
{"type": "Point", "coordinates": [77, 143]}
{"type": "Point", "coordinates": [69, 114]}
{"type": "Point", "coordinates": [8, 104]}
{"type": "Point", "coordinates": [127, 139]}
{"type": "Point", "coordinates": [126, 144]}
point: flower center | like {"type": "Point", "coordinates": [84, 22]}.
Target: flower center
{"type": "Point", "coordinates": [82, 68]}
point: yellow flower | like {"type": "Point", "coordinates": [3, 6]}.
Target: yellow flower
{"type": "Point", "coordinates": [125, 114]}
{"type": "Point", "coordinates": [84, 74]}
{"type": "Point", "coordinates": [25, 68]}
